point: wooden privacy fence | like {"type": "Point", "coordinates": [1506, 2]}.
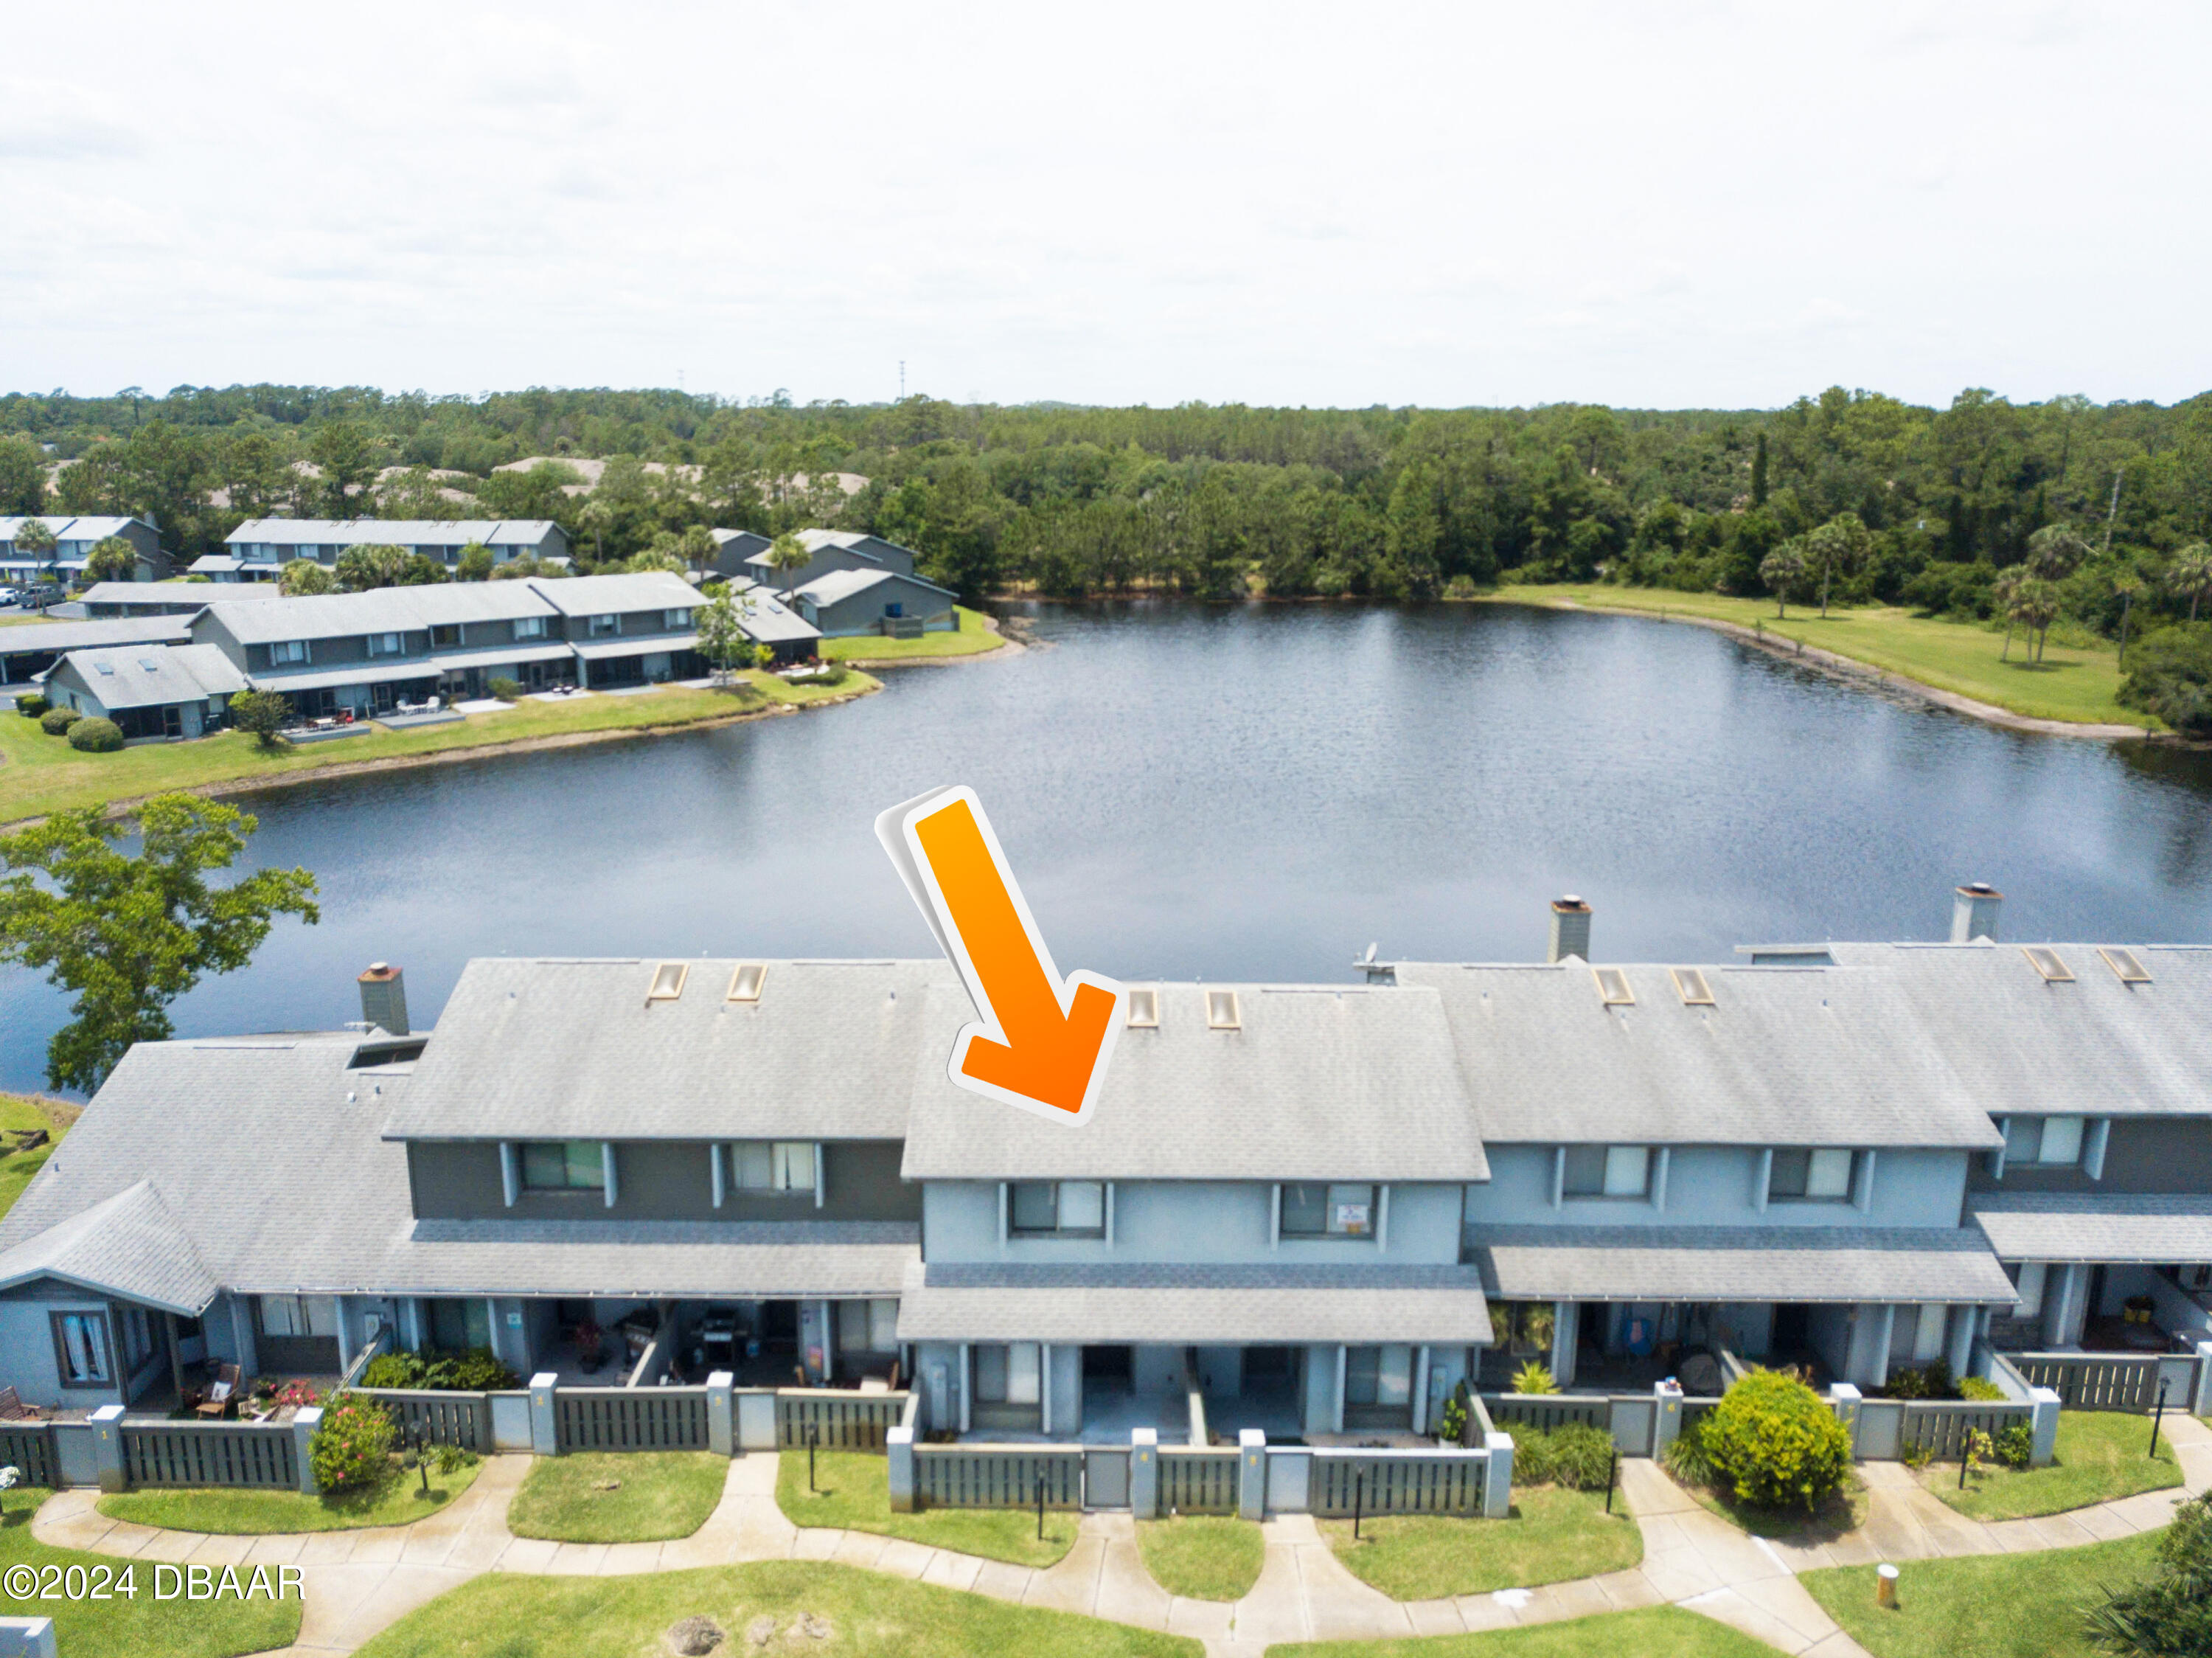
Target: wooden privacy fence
{"type": "Point", "coordinates": [210, 1453]}
{"type": "Point", "coordinates": [28, 1447]}
{"type": "Point", "coordinates": [997, 1476]}
{"type": "Point", "coordinates": [1192, 1481]}
{"type": "Point", "coordinates": [630, 1419]}
{"type": "Point", "coordinates": [440, 1417]}
{"type": "Point", "coordinates": [1941, 1427]}
{"type": "Point", "coordinates": [1406, 1482]}
{"type": "Point", "coordinates": [2111, 1381]}
{"type": "Point", "coordinates": [1545, 1412]}
{"type": "Point", "coordinates": [836, 1420]}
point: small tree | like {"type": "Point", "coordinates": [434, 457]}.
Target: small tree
{"type": "Point", "coordinates": [262, 713]}
{"type": "Point", "coordinates": [1776, 1442]}
{"type": "Point", "coordinates": [787, 554]}
{"type": "Point", "coordinates": [421, 570]}
{"type": "Point", "coordinates": [474, 565]}
{"type": "Point", "coordinates": [723, 640]}
{"type": "Point", "coordinates": [1839, 547]}
{"type": "Point", "coordinates": [370, 565]}
{"type": "Point", "coordinates": [36, 537]}
{"type": "Point", "coordinates": [303, 578]}
{"type": "Point", "coordinates": [2034, 606]}
{"type": "Point", "coordinates": [696, 546]}
{"type": "Point", "coordinates": [1781, 570]}
{"type": "Point", "coordinates": [351, 1450]}
{"type": "Point", "coordinates": [111, 559]}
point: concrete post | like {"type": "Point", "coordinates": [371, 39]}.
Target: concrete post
{"type": "Point", "coordinates": [1145, 1472]}
{"type": "Point", "coordinates": [28, 1637]}
{"type": "Point", "coordinates": [2043, 1424]}
{"type": "Point", "coordinates": [898, 1453]}
{"type": "Point", "coordinates": [1252, 1474]}
{"type": "Point", "coordinates": [2202, 1405]}
{"type": "Point", "coordinates": [721, 1413]}
{"type": "Point", "coordinates": [544, 1426]}
{"type": "Point", "coordinates": [1844, 1400]}
{"type": "Point", "coordinates": [304, 1424]}
{"type": "Point", "coordinates": [1498, 1477]}
{"type": "Point", "coordinates": [1666, 1414]}
{"type": "Point", "coordinates": [107, 1447]}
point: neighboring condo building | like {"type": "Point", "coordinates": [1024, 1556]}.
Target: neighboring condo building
{"type": "Point", "coordinates": [258, 549]}
{"type": "Point", "coordinates": [74, 540]}
{"type": "Point", "coordinates": [1325, 1205]}
{"type": "Point", "coordinates": [148, 691]}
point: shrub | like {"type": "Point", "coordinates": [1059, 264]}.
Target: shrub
{"type": "Point", "coordinates": [31, 705]}
{"type": "Point", "coordinates": [352, 1448]}
{"type": "Point", "coordinates": [452, 1459]}
{"type": "Point", "coordinates": [1686, 1459]}
{"type": "Point", "coordinates": [55, 721]}
{"type": "Point", "coordinates": [261, 712]}
{"type": "Point", "coordinates": [2015, 1445]}
{"type": "Point", "coordinates": [1932, 1382]}
{"type": "Point", "coordinates": [392, 1370]}
{"type": "Point", "coordinates": [508, 691]}
{"type": "Point", "coordinates": [477, 1371]}
{"type": "Point", "coordinates": [1582, 1457]}
{"type": "Point", "coordinates": [1534, 1377]}
{"type": "Point", "coordinates": [1979, 1389]}
{"type": "Point", "coordinates": [1452, 1429]}
{"type": "Point", "coordinates": [1775, 1443]}
{"type": "Point", "coordinates": [2171, 1611]}
{"type": "Point", "coordinates": [2170, 675]}
{"type": "Point", "coordinates": [95, 736]}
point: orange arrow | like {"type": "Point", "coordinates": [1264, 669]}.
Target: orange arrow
{"type": "Point", "coordinates": [1044, 1041]}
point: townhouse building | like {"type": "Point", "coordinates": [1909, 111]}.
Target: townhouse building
{"type": "Point", "coordinates": [74, 540]}
{"type": "Point", "coordinates": [125, 600]}
{"type": "Point", "coordinates": [260, 547]}
{"type": "Point", "coordinates": [856, 583]}
{"type": "Point", "coordinates": [32, 648]}
{"type": "Point", "coordinates": [148, 691]}
{"type": "Point", "coordinates": [1322, 1206]}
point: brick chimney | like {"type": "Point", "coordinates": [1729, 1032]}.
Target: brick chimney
{"type": "Point", "coordinates": [1974, 912]}
{"type": "Point", "coordinates": [1570, 925]}
{"type": "Point", "coordinates": [384, 998]}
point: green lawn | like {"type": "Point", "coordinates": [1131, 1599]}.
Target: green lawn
{"type": "Point", "coordinates": [853, 1491]}
{"type": "Point", "coordinates": [1205, 1557]}
{"type": "Point", "coordinates": [1997, 1605]}
{"type": "Point", "coordinates": [20, 1110]}
{"type": "Point", "coordinates": [2099, 1455]}
{"type": "Point", "coordinates": [399, 1500]}
{"type": "Point", "coordinates": [1846, 1510]}
{"type": "Point", "coordinates": [1553, 1534]}
{"type": "Point", "coordinates": [972, 640]}
{"type": "Point", "coordinates": [1653, 1632]}
{"type": "Point", "coordinates": [2079, 684]}
{"type": "Point", "coordinates": [866, 1615]}
{"type": "Point", "coordinates": [41, 774]}
{"type": "Point", "coordinates": [655, 1495]}
{"type": "Point", "coordinates": [138, 1626]}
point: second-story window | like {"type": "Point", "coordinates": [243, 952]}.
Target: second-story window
{"type": "Point", "coordinates": [1821, 1175]}
{"type": "Point", "coordinates": [288, 650]}
{"type": "Point", "coordinates": [1057, 1209]}
{"type": "Point", "coordinates": [773, 1165]}
{"type": "Point", "coordinates": [563, 1166]}
{"type": "Point", "coordinates": [2044, 1142]}
{"type": "Point", "coordinates": [446, 633]}
{"type": "Point", "coordinates": [1607, 1172]}
{"type": "Point", "coordinates": [530, 627]}
{"type": "Point", "coordinates": [604, 624]}
{"type": "Point", "coordinates": [674, 618]}
{"type": "Point", "coordinates": [1335, 1209]}
{"type": "Point", "coordinates": [384, 644]}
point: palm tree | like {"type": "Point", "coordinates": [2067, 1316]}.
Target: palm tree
{"type": "Point", "coordinates": [36, 537]}
{"type": "Point", "coordinates": [2005, 591]}
{"type": "Point", "coordinates": [2034, 607]}
{"type": "Point", "coordinates": [785, 554]}
{"type": "Point", "coordinates": [1782, 570]}
{"type": "Point", "coordinates": [2190, 573]}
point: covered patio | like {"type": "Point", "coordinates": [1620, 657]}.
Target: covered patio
{"type": "Point", "coordinates": [2119, 1273]}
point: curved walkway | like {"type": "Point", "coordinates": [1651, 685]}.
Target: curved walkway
{"type": "Point", "coordinates": [358, 1581]}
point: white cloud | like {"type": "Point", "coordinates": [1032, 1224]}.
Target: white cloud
{"type": "Point", "coordinates": [1445, 203]}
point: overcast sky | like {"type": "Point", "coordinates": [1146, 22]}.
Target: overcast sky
{"type": "Point", "coordinates": [1660, 203]}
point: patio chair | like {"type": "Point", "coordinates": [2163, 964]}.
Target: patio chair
{"type": "Point", "coordinates": [221, 1398]}
{"type": "Point", "coordinates": [12, 1408]}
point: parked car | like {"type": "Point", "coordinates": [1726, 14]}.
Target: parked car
{"type": "Point", "coordinates": [10, 598]}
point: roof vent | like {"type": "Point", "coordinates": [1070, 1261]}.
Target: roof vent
{"type": "Point", "coordinates": [1690, 985]}
{"type": "Point", "coordinates": [668, 981]}
{"type": "Point", "coordinates": [1222, 1013]}
{"type": "Point", "coordinates": [2045, 961]}
{"type": "Point", "coordinates": [745, 983]}
{"type": "Point", "coordinates": [1974, 912]}
{"type": "Point", "coordinates": [2124, 964]}
{"type": "Point", "coordinates": [1570, 929]}
{"type": "Point", "coordinates": [1145, 1009]}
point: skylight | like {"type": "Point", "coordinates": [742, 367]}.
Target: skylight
{"type": "Point", "coordinates": [2124, 963]}
{"type": "Point", "coordinates": [745, 983]}
{"type": "Point", "coordinates": [2044, 959]}
{"type": "Point", "coordinates": [1690, 985]}
{"type": "Point", "coordinates": [1145, 1008]}
{"type": "Point", "coordinates": [1221, 1011]}
{"type": "Point", "coordinates": [150, 665]}
{"type": "Point", "coordinates": [668, 981]}
{"type": "Point", "coordinates": [1613, 987]}
{"type": "Point", "coordinates": [108, 669]}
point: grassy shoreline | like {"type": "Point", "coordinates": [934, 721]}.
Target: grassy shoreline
{"type": "Point", "coordinates": [40, 774]}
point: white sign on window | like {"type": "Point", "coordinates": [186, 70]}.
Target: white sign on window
{"type": "Point", "coordinates": [1351, 1217]}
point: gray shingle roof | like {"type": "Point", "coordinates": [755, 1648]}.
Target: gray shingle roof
{"type": "Point", "coordinates": [390, 531]}
{"type": "Point", "coordinates": [144, 676]}
{"type": "Point", "coordinates": [60, 636]}
{"type": "Point", "coordinates": [2116, 1225]}
{"type": "Point", "coordinates": [591, 595]}
{"type": "Point", "coordinates": [842, 584]}
{"type": "Point", "coordinates": [148, 594]}
{"type": "Point", "coordinates": [382, 609]}
{"type": "Point", "coordinates": [1786, 1056]}
{"type": "Point", "coordinates": [127, 1245]}
{"type": "Point", "coordinates": [1137, 1303]}
{"type": "Point", "coordinates": [1320, 1082]}
{"type": "Point", "coordinates": [601, 650]}
{"type": "Point", "coordinates": [1738, 1263]}
{"type": "Point", "coordinates": [665, 1257]}
{"type": "Point", "coordinates": [770, 620]}
{"type": "Point", "coordinates": [572, 1049]}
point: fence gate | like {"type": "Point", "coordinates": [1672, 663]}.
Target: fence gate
{"type": "Point", "coordinates": [1882, 1430]}
{"type": "Point", "coordinates": [1106, 1478]}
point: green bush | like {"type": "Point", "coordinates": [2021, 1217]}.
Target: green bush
{"type": "Point", "coordinates": [1534, 1377]}
{"type": "Point", "coordinates": [392, 1370]}
{"type": "Point", "coordinates": [2171, 1611]}
{"type": "Point", "coordinates": [477, 1371]}
{"type": "Point", "coordinates": [31, 705]}
{"type": "Point", "coordinates": [508, 691]}
{"type": "Point", "coordinates": [1452, 1429]}
{"type": "Point", "coordinates": [1685, 1458]}
{"type": "Point", "coordinates": [56, 721]}
{"type": "Point", "coordinates": [352, 1448]}
{"type": "Point", "coordinates": [95, 736]}
{"type": "Point", "coordinates": [2170, 675]}
{"type": "Point", "coordinates": [1980, 1390]}
{"type": "Point", "coordinates": [1934, 1380]}
{"type": "Point", "coordinates": [1575, 1455]}
{"type": "Point", "coordinates": [1775, 1443]}
{"type": "Point", "coordinates": [2015, 1445]}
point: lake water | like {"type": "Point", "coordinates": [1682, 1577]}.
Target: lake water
{"type": "Point", "coordinates": [1247, 792]}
